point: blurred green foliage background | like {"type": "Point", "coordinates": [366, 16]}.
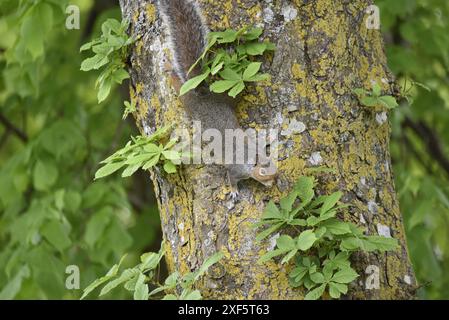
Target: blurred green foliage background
{"type": "Point", "coordinates": [53, 134]}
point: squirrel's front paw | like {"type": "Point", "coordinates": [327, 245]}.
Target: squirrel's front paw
{"type": "Point", "coordinates": [234, 195]}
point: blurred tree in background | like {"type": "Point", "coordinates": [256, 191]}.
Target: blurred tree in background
{"type": "Point", "coordinates": [53, 135]}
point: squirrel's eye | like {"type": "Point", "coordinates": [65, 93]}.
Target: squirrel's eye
{"type": "Point", "coordinates": [262, 171]}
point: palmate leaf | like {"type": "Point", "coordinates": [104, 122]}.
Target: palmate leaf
{"type": "Point", "coordinates": [226, 61]}
{"type": "Point", "coordinates": [142, 152]}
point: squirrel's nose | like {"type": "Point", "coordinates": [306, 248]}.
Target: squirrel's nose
{"type": "Point", "coordinates": [268, 183]}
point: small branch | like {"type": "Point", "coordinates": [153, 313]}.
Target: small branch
{"type": "Point", "coordinates": [11, 127]}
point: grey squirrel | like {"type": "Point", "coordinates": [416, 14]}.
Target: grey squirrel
{"type": "Point", "coordinates": [188, 35]}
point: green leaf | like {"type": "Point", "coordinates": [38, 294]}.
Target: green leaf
{"type": "Point", "coordinates": [377, 90]}
{"type": "Point", "coordinates": [342, 288]}
{"type": "Point", "coordinates": [151, 163]}
{"type": "Point", "coordinates": [209, 263]}
{"type": "Point", "coordinates": [306, 240]}
{"type": "Point", "coordinates": [304, 186]}
{"type": "Point", "coordinates": [45, 175]}
{"type": "Point", "coordinates": [298, 273]}
{"type": "Point", "coordinates": [170, 283]}
{"type": "Point", "coordinates": [251, 70]}
{"type": "Point", "coordinates": [12, 288]}
{"type": "Point", "coordinates": [111, 274]}
{"type": "Point", "coordinates": [285, 243]}
{"type": "Point", "coordinates": [104, 89]}
{"type": "Point", "coordinates": [316, 293]}
{"type": "Point", "coordinates": [287, 202]}
{"type": "Point", "coordinates": [151, 260]}
{"type": "Point", "coordinates": [170, 167]}
{"type": "Point", "coordinates": [216, 69]}
{"type": "Point", "coordinates": [171, 155]}
{"type": "Point", "coordinates": [345, 276]}
{"type": "Point", "coordinates": [381, 243]}
{"type": "Point", "coordinates": [108, 169]}
{"type": "Point", "coordinates": [96, 226]}
{"type": "Point", "coordinates": [336, 227]}
{"type": "Point", "coordinates": [94, 63]}
{"type": "Point", "coordinates": [227, 36]}
{"type": "Point", "coordinates": [259, 77]}
{"type": "Point", "coordinates": [229, 74]}
{"type": "Point", "coordinates": [57, 235]}
{"type": "Point", "coordinates": [193, 83]}
{"type": "Point", "coordinates": [253, 34]}
{"type": "Point", "coordinates": [317, 277]}
{"type": "Point", "coordinates": [129, 171]}
{"type": "Point", "coordinates": [141, 289]}
{"type": "Point", "coordinates": [360, 92]}
{"type": "Point", "coordinates": [119, 75]}
{"type": "Point", "coordinates": [194, 295]}
{"type": "Point", "coordinates": [271, 212]}
{"type": "Point", "coordinates": [239, 87]}
{"type": "Point", "coordinates": [268, 231]}
{"type": "Point", "coordinates": [126, 275]}
{"type": "Point", "coordinates": [330, 201]}
{"type": "Point", "coordinates": [369, 101]}
{"type": "Point", "coordinates": [256, 48]}
{"type": "Point", "coordinates": [388, 102]}
{"type": "Point", "coordinates": [270, 255]}
{"type": "Point", "coordinates": [298, 222]}
{"type": "Point", "coordinates": [333, 291]}
{"type": "Point", "coordinates": [289, 256]}
{"type": "Point", "coordinates": [222, 85]}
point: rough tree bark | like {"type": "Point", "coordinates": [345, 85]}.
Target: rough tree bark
{"type": "Point", "coordinates": [324, 52]}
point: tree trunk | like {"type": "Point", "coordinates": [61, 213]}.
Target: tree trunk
{"type": "Point", "coordinates": [324, 51]}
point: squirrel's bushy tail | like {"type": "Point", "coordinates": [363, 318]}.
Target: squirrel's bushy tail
{"type": "Point", "coordinates": [187, 32]}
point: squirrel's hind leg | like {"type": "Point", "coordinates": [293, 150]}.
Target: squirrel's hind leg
{"type": "Point", "coordinates": [233, 183]}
